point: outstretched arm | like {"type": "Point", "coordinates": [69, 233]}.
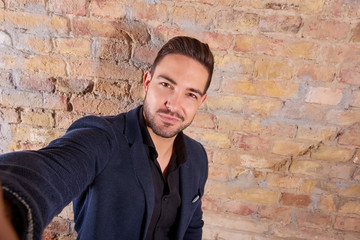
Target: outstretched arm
{"type": "Point", "coordinates": [39, 184]}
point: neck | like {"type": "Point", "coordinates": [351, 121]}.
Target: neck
{"type": "Point", "coordinates": [164, 146]}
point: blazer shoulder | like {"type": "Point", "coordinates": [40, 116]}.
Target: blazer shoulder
{"type": "Point", "coordinates": [195, 150]}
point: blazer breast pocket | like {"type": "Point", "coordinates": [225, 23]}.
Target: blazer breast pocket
{"type": "Point", "coordinates": [196, 199]}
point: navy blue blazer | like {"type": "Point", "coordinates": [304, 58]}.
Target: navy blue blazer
{"type": "Point", "coordinates": [101, 164]}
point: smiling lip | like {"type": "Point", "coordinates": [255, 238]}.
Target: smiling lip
{"type": "Point", "coordinates": [168, 118]}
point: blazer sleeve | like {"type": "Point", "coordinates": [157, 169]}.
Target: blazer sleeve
{"type": "Point", "coordinates": [43, 182]}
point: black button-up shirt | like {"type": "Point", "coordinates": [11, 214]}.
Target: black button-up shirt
{"type": "Point", "coordinates": [167, 190]}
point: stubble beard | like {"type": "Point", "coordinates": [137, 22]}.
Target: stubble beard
{"type": "Point", "coordinates": [163, 129]}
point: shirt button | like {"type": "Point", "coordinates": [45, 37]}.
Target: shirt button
{"type": "Point", "coordinates": [165, 198]}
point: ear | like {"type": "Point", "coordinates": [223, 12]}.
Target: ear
{"type": "Point", "coordinates": [203, 98]}
{"type": "Point", "coordinates": [147, 79]}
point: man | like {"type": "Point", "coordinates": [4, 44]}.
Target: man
{"type": "Point", "coordinates": [130, 176]}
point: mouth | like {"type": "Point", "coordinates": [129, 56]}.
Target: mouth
{"type": "Point", "coordinates": [169, 117]}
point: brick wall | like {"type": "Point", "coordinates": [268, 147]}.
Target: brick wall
{"type": "Point", "coordinates": [281, 124]}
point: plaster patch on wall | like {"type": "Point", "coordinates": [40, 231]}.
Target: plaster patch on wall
{"type": "Point", "coordinates": [5, 134]}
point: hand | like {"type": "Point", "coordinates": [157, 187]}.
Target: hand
{"type": "Point", "coordinates": [7, 231]}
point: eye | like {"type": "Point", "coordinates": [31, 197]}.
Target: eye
{"type": "Point", "coordinates": [192, 96]}
{"type": "Point", "coordinates": [165, 84]}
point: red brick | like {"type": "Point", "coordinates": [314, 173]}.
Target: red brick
{"type": "Point", "coordinates": [111, 29]}
{"type": "Point", "coordinates": [356, 99]}
{"type": "Point", "coordinates": [341, 8]}
{"type": "Point", "coordinates": [292, 231]}
{"type": "Point", "coordinates": [355, 37]}
{"type": "Point", "coordinates": [235, 223]}
{"type": "Point", "coordinates": [19, 146]}
{"type": "Point", "coordinates": [231, 63]}
{"type": "Point", "coordinates": [269, 88]}
{"type": "Point", "coordinates": [55, 102]}
{"type": "Point", "coordinates": [287, 148]}
{"type": "Point", "coordinates": [63, 119]}
{"type": "Point", "coordinates": [327, 203]}
{"type": "Point", "coordinates": [144, 10]}
{"type": "Point", "coordinates": [343, 117]}
{"type": "Point", "coordinates": [204, 120]}
{"type": "Point", "coordinates": [249, 160]}
{"type": "Point", "coordinates": [95, 106]}
{"type": "Point", "coordinates": [292, 5]}
{"type": "Point", "coordinates": [118, 89]}
{"type": "Point", "coordinates": [347, 223]}
{"type": "Point", "coordinates": [356, 159]}
{"type": "Point", "coordinates": [38, 45]}
{"type": "Point", "coordinates": [236, 20]}
{"type": "Point", "coordinates": [322, 29]}
{"type": "Point", "coordinates": [295, 200]}
{"type": "Point", "coordinates": [113, 49]}
{"type": "Point", "coordinates": [109, 9]}
{"type": "Point", "coordinates": [356, 175]}
{"type": "Point", "coordinates": [276, 47]}
{"type": "Point", "coordinates": [225, 102]}
{"type": "Point", "coordinates": [276, 23]}
{"type": "Point", "coordinates": [73, 46]}
{"type": "Point", "coordinates": [316, 133]}
{"type": "Point", "coordinates": [212, 204]}
{"type": "Point", "coordinates": [13, 98]}
{"type": "Point", "coordinates": [253, 143]}
{"type": "Point", "coordinates": [316, 72]}
{"type": "Point", "coordinates": [278, 129]}
{"type": "Point", "coordinates": [36, 135]}
{"type": "Point", "coordinates": [350, 75]}
{"type": "Point", "coordinates": [58, 225]}
{"type": "Point", "coordinates": [314, 219]}
{"type": "Point", "coordinates": [263, 107]}
{"type": "Point", "coordinates": [104, 70]}
{"type": "Point", "coordinates": [46, 64]}
{"type": "Point", "coordinates": [37, 118]}
{"type": "Point", "coordinates": [74, 85]}
{"type": "Point", "coordinates": [10, 115]}
{"type": "Point", "coordinates": [145, 54]}
{"type": "Point", "coordinates": [182, 15]}
{"type": "Point", "coordinates": [239, 208]}
{"type": "Point", "coordinates": [217, 40]}
{"type": "Point", "coordinates": [269, 69]}
{"type": "Point", "coordinates": [283, 181]}
{"type": "Point", "coordinates": [35, 81]}
{"type": "Point", "coordinates": [218, 172]}
{"type": "Point", "coordinates": [29, 5]}
{"type": "Point", "coordinates": [323, 95]}
{"type": "Point", "coordinates": [49, 235]}
{"type": "Point", "coordinates": [276, 214]}
{"type": "Point", "coordinates": [343, 171]}
{"type": "Point", "coordinates": [165, 33]}
{"type": "Point", "coordinates": [97, 28]}
{"type": "Point", "coordinates": [351, 135]}
{"type": "Point", "coordinates": [69, 7]}
{"type": "Point", "coordinates": [340, 53]}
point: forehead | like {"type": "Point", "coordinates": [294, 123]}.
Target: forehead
{"type": "Point", "coordinates": [182, 69]}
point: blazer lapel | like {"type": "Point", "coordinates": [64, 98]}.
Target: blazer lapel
{"type": "Point", "coordinates": [141, 163]}
{"type": "Point", "coordinates": [186, 191]}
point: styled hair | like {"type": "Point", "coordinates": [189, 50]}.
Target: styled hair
{"type": "Point", "coordinates": [189, 47]}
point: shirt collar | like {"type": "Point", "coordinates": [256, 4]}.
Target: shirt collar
{"type": "Point", "coordinates": [179, 143]}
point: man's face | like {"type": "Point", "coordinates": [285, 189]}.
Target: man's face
{"type": "Point", "coordinates": [173, 94]}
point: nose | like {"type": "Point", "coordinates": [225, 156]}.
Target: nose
{"type": "Point", "coordinates": [173, 102]}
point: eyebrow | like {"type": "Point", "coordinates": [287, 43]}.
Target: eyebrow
{"type": "Point", "coordinates": [194, 90]}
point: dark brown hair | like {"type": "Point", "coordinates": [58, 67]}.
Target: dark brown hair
{"type": "Point", "coordinates": [189, 47]}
